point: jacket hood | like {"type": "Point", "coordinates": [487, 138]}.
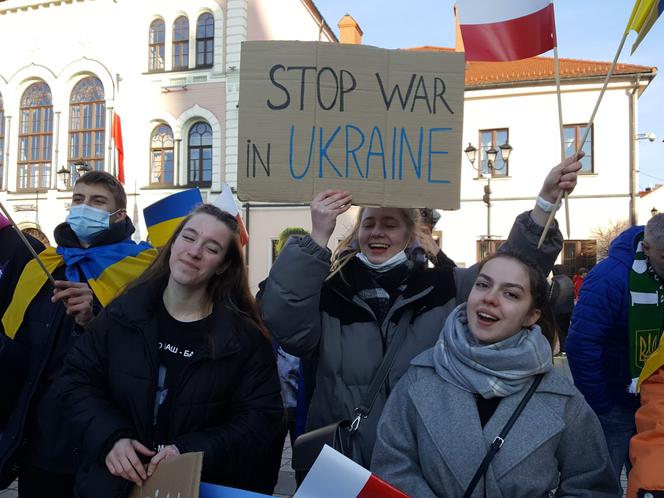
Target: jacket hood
{"type": "Point", "coordinates": [623, 247]}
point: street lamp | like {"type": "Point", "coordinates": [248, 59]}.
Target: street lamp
{"type": "Point", "coordinates": [650, 136]}
{"type": "Point", "coordinates": [471, 153]}
{"type": "Point", "coordinates": [505, 150]}
{"type": "Point", "coordinates": [64, 174]}
{"type": "Point", "coordinates": [81, 167]}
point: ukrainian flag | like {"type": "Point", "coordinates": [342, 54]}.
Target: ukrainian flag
{"type": "Point", "coordinates": [643, 17]}
{"type": "Point", "coordinates": [164, 216]}
{"type": "Point", "coordinates": [107, 269]}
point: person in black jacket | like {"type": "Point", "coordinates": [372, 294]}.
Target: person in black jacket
{"type": "Point", "coordinates": [14, 255]}
{"type": "Point", "coordinates": [562, 302]}
{"type": "Point", "coordinates": [179, 363]}
{"type": "Point", "coordinates": [42, 322]}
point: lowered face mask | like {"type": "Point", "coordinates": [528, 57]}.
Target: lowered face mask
{"type": "Point", "coordinates": [87, 222]}
{"type": "Point", "coordinates": [393, 262]}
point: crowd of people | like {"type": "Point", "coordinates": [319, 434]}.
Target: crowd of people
{"type": "Point", "coordinates": [445, 374]}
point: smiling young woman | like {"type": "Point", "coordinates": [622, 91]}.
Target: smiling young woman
{"type": "Point", "coordinates": [181, 362]}
{"type": "Point", "coordinates": [457, 396]}
{"type": "Point", "coordinates": [346, 309]}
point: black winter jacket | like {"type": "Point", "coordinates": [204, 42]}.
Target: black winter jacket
{"type": "Point", "coordinates": [227, 404]}
{"type": "Point", "coordinates": [13, 258]}
{"type": "Point", "coordinates": [34, 430]}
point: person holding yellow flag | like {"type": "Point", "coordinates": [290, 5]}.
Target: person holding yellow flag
{"type": "Point", "coordinates": [616, 327]}
{"type": "Point", "coordinates": [646, 448]}
{"type": "Point", "coordinates": [95, 258]}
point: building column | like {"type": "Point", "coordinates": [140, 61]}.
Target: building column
{"type": "Point", "coordinates": [236, 33]}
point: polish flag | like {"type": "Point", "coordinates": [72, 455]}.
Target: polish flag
{"type": "Point", "coordinates": [226, 202]}
{"type": "Point", "coordinates": [116, 136]}
{"type": "Point", "coordinates": [506, 30]}
{"type": "Point", "coordinates": [335, 476]}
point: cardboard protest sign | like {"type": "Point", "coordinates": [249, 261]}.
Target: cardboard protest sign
{"type": "Point", "coordinates": [384, 124]}
{"type": "Point", "coordinates": [176, 477]}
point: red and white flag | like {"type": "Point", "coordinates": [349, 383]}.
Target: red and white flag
{"type": "Point", "coordinates": [335, 476]}
{"type": "Point", "coordinates": [226, 202]}
{"type": "Point", "coordinates": [506, 30]}
{"type": "Point", "coordinates": [116, 136]}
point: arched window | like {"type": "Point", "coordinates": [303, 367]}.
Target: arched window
{"type": "Point", "coordinates": [161, 156]}
{"type": "Point", "coordinates": [205, 40]}
{"type": "Point", "coordinates": [35, 139]}
{"type": "Point", "coordinates": [2, 141]}
{"type": "Point", "coordinates": [157, 45]}
{"type": "Point", "coordinates": [199, 172]}
{"type": "Point", "coordinates": [87, 126]}
{"type": "Point", "coordinates": [181, 43]}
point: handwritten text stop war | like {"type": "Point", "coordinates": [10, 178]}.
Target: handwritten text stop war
{"type": "Point", "coordinates": [348, 150]}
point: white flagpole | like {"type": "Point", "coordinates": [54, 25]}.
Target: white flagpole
{"type": "Point", "coordinates": [590, 124]}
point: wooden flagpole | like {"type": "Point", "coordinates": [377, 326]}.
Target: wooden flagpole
{"type": "Point", "coordinates": [27, 244]}
{"type": "Point", "coordinates": [556, 65]}
{"type": "Point", "coordinates": [552, 214]}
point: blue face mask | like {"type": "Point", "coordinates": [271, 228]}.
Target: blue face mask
{"type": "Point", "coordinates": [88, 222]}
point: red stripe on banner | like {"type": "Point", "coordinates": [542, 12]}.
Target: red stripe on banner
{"type": "Point", "coordinates": [377, 488]}
{"type": "Point", "coordinates": [511, 40]}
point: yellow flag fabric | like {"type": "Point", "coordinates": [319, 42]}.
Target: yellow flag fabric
{"type": "Point", "coordinates": [653, 363]}
{"type": "Point", "coordinates": [644, 15]}
{"type": "Point", "coordinates": [32, 279]}
{"type": "Point", "coordinates": [108, 269]}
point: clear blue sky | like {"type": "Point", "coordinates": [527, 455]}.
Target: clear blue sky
{"type": "Point", "coordinates": [588, 29]}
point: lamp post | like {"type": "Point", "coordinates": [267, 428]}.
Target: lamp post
{"type": "Point", "coordinates": [491, 154]}
{"type": "Point", "coordinates": [81, 167]}
{"type": "Point", "coordinates": [64, 174]}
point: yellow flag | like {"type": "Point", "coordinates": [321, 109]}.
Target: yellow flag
{"type": "Point", "coordinates": [644, 15]}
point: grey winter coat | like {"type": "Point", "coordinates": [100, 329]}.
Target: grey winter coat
{"type": "Point", "coordinates": [311, 317]}
{"type": "Point", "coordinates": [430, 441]}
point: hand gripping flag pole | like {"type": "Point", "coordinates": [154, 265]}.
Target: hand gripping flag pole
{"type": "Point", "coordinates": [644, 14]}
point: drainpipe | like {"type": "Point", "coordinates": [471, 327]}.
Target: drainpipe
{"type": "Point", "coordinates": [633, 176]}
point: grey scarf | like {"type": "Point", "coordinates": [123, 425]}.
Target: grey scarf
{"type": "Point", "coordinates": [491, 370]}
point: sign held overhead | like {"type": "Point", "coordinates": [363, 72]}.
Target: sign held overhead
{"type": "Point", "coordinates": [383, 124]}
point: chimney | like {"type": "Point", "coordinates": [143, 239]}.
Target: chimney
{"type": "Point", "coordinates": [349, 30]}
{"type": "Point", "coordinates": [458, 45]}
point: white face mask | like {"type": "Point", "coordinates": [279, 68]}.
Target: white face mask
{"type": "Point", "coordinates": [393, 262]}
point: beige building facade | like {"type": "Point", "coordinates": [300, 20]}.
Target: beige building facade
{"type": "Point", "coordinates": [170, 70]}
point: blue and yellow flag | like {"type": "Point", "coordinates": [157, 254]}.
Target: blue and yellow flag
{"type": "Point", "coordinates": [164, 216]}
{"type": "Point", "coordinates": [108, 269]}
{"type": "Point", "coordinates": [644, 15]}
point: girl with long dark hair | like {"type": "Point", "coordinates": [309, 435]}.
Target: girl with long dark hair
{"type": "Point", "coordinates": [181, 362]}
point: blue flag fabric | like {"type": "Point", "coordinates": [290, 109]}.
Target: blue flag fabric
{"type": "Point", "coordinates": [216, 491]}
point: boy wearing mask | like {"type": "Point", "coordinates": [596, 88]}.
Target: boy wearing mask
{"type": "Point", "coordinates": [95, 257]}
